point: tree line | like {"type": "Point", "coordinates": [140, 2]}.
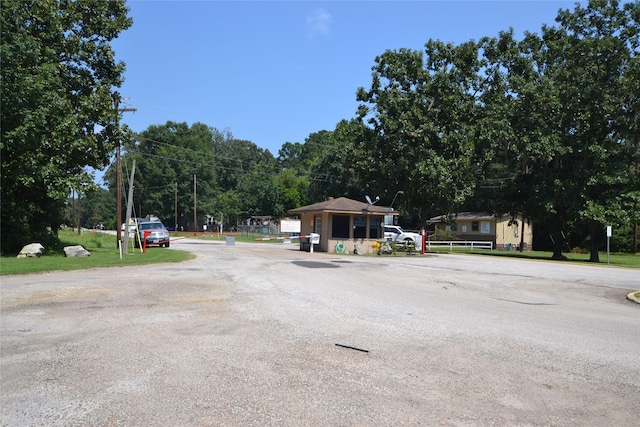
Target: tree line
{"type": "Point", "coordinates": [546, 126]}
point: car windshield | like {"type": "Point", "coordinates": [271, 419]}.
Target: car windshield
{"type": "Point", "coordinates": [152, 226]}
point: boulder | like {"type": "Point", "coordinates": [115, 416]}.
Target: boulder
{"type": "Point", "coordinates": [32, 250]}
{"type": "Point", "coordinates": [75, 251]}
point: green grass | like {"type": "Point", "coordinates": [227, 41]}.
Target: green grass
{"type": "Point", "coordinates": [615, 259]}
{"type": "Point", "coordinates": [248, 238]}
{"type": "Point", "coordinates": [104, 253]}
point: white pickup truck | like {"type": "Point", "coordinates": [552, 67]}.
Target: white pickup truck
{"type": "Point", "coordinates": [396, 234]}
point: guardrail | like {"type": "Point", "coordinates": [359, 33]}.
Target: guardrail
{"type": "Point", "coordinates": [459, 243]}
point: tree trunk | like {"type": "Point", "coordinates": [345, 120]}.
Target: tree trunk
{"type": "Point", "coordinates": [557, 248]}
{"type": "Point", "coordinates": [557, 238]}
{"type": "Point", "coordinates": [594, 231]}
{"type": "Point", "coordinates": [522, 234]}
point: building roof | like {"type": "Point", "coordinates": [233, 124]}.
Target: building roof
{"type": "Point", "coordinates": [470, 216]}
{"type": "Point", "coordinates": [344, 205]}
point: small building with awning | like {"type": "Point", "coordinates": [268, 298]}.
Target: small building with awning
{"type": "Point", "coordinates": [344, 224]}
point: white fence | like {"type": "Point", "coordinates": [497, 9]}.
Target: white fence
{"type": "Point", "coordinates": [459, 243]}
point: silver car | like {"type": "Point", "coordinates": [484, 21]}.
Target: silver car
{"type": "Point", "coordinates": [156, 234]}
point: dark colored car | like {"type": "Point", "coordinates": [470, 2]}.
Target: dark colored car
{"type": "Point", "coordinates": [157, 234]}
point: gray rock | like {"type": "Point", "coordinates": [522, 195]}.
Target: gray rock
{"type": "Point", "coordinates": [75, 251]}
{"type": "Point", "coordinates": [32, 250]}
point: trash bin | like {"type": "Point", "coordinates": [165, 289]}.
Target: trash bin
{"type": "Point", "coordinates": [230, 240]}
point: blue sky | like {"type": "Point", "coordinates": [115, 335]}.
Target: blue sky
{"type": "Point", "coordinates": [276, 71]}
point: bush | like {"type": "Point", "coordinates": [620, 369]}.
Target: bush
{"type": "Point", "coordinates": [443, 235]}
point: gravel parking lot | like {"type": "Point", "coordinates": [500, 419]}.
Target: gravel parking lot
{"type": "Point", "coordinates": [246, 335]}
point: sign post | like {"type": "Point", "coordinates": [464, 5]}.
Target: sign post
{"type": "Point", "coordinates": [608, 238]}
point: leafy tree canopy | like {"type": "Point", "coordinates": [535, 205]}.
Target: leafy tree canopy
{"type": "Point", "coordinates": [571, 102]}
{"type": "Point", "coordinates": [547, 125]}
{"type": "Point", "coordinates": [57, 74]}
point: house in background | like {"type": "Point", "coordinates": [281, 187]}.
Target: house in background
{"type": "Point", "coordinates": [506, 232]}
{"type": "Point", "coordinates": [343, 223]}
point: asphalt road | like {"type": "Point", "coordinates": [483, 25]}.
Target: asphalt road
{"type": "Point", "coordinates": [246, 335]}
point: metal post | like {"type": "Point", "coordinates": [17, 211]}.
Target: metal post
{"type": "Point", "coordinates": [127, 218]}
{"type": "Point", "coordinates": [608, 239]}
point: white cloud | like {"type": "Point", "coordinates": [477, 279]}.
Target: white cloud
{"type": "Point", "coordinates": [318, 23]}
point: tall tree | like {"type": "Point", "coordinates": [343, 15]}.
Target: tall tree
{"type": "Point", "coordinates": [261, 194]}
{"type": "Point", "coordinates": [323, 163]}
{"type": "Point", "coordinates": [57, 74]}
{"type": "Point", "coordinates": [98, 207]}
{"type": "Point", "coordinates": [422, 108]}
{"type": "Point", "coordinates": [235, 158]}
{"type": "Point", "coordinates": [572, 106]}
{"type": "Point", "coordinates": [167, 159]}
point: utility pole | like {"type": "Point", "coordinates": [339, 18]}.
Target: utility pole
{"type": "Point", "coordinates": [195, 222]}
{"type": "Point", "coordinates": [116, 101]}
{"type": "Point", "coordinates": [78, 219]}
{"type": "Point", "coordinates": [175, 208]}
{"type": "Point", "coordinates": [72, 214]}
{"type": "Point", "coordinates": [635, 223]}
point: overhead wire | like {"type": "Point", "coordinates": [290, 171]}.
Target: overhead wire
{"type": "Point", "coordinates": [312, 176]}
{"type": "Point", "coordinates": [212, 165]}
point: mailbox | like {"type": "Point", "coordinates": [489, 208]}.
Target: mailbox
{"type": "Point", "coordinates": [314, 239]}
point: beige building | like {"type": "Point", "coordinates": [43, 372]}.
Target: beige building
{"type": "Point", "coordinates": [343, 224]}
{"type": "Point", "coordinates": [506, 232]}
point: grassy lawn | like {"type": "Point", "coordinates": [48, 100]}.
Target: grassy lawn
{"type": "Point", "coordinates": [240, 237]}
{"type": "Point", "coordinates": [615, 259]}
{"type": "Point", "coordinates": [104, 253]}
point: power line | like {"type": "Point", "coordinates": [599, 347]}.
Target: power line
{"type": "Point", "coordinates": [212, 165]}
{"type": "Point", "coordinates": [221, 156]}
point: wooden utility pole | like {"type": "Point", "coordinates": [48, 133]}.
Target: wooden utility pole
{"type": "Point", "coordinates": [195, 222]}
{"type": "Point", "coordinates": [78, 219]}
{"type": "Point", "coordinates": [635, 222]}
{"type": "Point", "coordinates": [175, 208]}
{"type": "Point", "coordinates": [116, 102]}
{"type": "Point", "coordinates": [72, 213]}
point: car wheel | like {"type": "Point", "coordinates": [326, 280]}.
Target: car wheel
{"type": "Point", "coordinates": [166, 245]}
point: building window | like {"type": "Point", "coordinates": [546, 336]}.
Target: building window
{"type": "Point", "coordinates": [475, 226]}
{"type": "Point", "coordinates": [340, 227]}
{"type": "Point", "coordinates": [360, 227]}
{"type": "Point", "coordinates": [375, 228]}
{"type": "Point", "coordinates": [486, 227]}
